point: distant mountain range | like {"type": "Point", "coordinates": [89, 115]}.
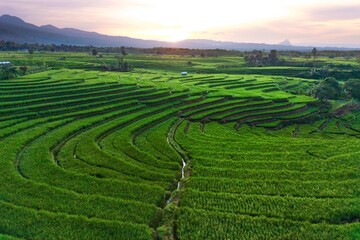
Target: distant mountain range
{"type": "Point", "coordinates": [16, 30]}
{"type": "Point", "coordinates": [285, 43]}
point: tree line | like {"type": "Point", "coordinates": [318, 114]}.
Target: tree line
{"type": "Point", "coordinates": [12, 46]}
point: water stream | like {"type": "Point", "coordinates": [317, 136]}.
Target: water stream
{"type": "Point", "coordinates": [179, 182]}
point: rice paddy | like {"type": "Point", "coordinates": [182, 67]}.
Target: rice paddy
{"type": "Point", "coordinates": [151, 154]}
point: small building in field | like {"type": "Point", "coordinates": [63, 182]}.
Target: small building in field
{"type": "Point", "coordinates": [184, 73]}
{"type": "Point", "coordinates": [5, 63]}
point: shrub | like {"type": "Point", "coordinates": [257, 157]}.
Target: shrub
{"type": "Point", "coordinates": [8, 72]}
{"type": "Point", "coordinates": [352, 86]}
{"type": "Point", "coordinates": [329, 88]}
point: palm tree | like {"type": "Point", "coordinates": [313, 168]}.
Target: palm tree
{"type": "Point", "coordinates": [314, 53]}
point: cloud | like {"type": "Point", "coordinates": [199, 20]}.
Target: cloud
{"type": "Point", "coordinates": [300, 21]}
{"type": "Point", "coordinates": [330, 26]}
{"type": "Point", "coordinates": [297, 30]}
{"type": "Point", "coordinates": [335, 13]}
{"type": "Point", "coordinates": [63, 4]}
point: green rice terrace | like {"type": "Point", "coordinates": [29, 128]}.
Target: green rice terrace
{"type": "Point", "coordinates": [151, 154]}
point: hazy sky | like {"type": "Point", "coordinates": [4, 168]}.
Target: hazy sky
{"type": "Point", "coordinates": [303, 22]}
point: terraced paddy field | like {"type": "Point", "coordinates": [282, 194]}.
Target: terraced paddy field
{"type": "Point", "coordinates": [153, 155]}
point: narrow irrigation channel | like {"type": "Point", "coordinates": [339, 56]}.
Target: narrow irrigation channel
{"type": "Point", "coordinates": [168, 228]}
{"type": "Point", "coordinates": [183, 154]}
{"type": "Point", "coordinates": [179, 182]}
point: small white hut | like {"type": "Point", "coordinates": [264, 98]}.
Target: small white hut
{"type": "Point", "coordinates": [5, 63]}
{"type": "Point", "coordinates": [184, 73]}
